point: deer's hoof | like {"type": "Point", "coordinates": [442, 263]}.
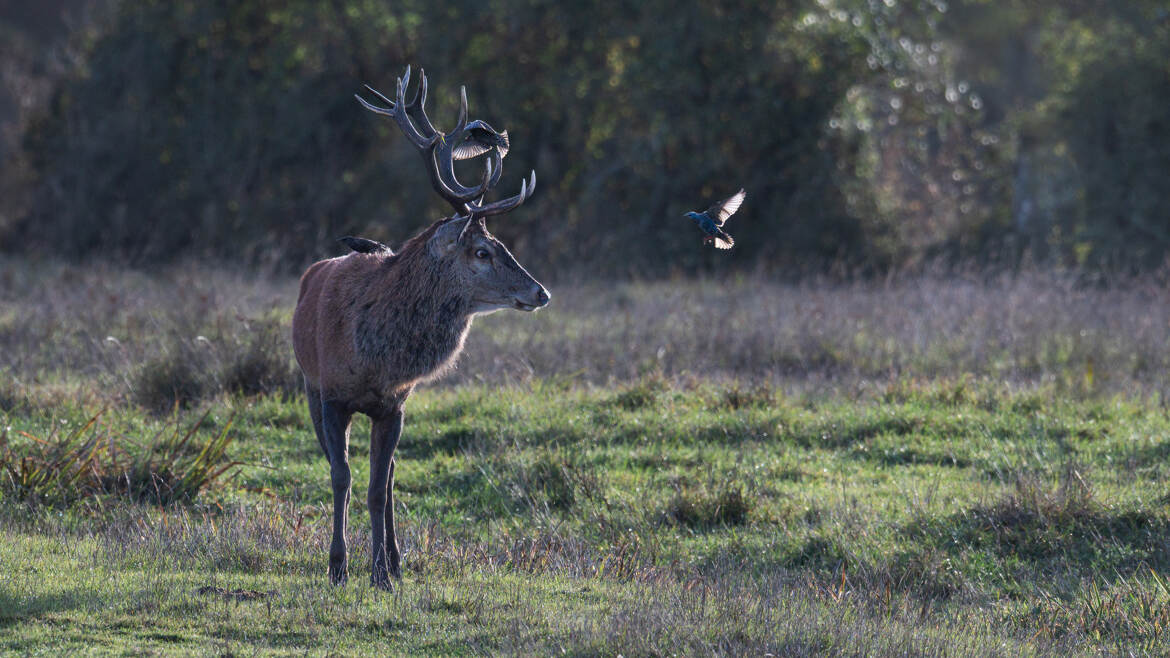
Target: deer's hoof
{"type": "Point", "coordinates": [383, 577]}
{"type": "Point", "coordinates": [382, 582]}
{"type": "Point", "coordinates": [338, 574]}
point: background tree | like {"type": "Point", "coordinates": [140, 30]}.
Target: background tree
{"type": "Point", "coordinates": [874, 132]}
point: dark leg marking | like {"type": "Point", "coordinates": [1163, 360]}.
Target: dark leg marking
{"type": "Point", "coordinates": [335, 428]}
{"type": "Point", "coordinates": [384, 436]}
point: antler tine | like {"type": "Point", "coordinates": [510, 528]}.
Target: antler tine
{"type": "Point", "coordinates": [406, 86]}
{"type": "Point", "coordinates": [461, 123]}
{"type": "Point", "coordinates": [400, 94]}
{"type": "Point", "coordinates": [397, 111]}
{"type": "Point", "coordinates": [374, 108]}
{"type": "Point", "coordinates": [379, 95]}
{"type": "Point", "coordinates": [497, 159]}
{"type": "Point", "coordinates": [504, 205]}
{"type": "Point", "coordinates": [417, 107]}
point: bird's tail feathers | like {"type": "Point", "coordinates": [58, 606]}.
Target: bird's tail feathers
{"type": "Point", "coordinates": [724, 241]}
{"type": "Point", "coordinates": [504, 144]}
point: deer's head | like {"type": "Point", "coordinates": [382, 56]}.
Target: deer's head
{"type": "Point", "coordinates": [479, 263]}
{"type": "Point", "coordinates": [484, 268]}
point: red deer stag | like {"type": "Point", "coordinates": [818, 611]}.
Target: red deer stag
{"type": "Point", "coordinates": [373, 324]}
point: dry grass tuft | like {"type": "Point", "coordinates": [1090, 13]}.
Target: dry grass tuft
{"type": "Point", "coordinates": [738, 396]}
{"type": "Point", "coordinates": [704, 509]}
{"type": "Point", "coordinates": [180, 378]}
{"type": "Point", "coordinates": [643, 393]}
{"type": "Point", "coordinates": [259, 362]}
{"type": "Point", "coordinates": [1032, 503]}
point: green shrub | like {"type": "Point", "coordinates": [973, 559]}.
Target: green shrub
{"type": "Point", "coordinates": [173, 466]}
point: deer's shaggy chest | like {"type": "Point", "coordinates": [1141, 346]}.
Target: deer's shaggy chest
{"type": "Point", "coordinates": [401, 347]}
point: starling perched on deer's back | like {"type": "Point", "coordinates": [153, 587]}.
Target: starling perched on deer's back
{"type": "Point", "coordinates": [712, 220]}
{"type": "Point", "coordinates": [365, 245]}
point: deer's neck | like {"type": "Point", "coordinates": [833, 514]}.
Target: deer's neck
{"type": "Point", "coordinates": [413, 324]}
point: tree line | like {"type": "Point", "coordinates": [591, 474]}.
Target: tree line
{"type": "Point", "coordinates": [877, 133]}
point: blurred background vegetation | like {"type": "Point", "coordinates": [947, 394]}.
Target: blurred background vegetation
{"type": "Point", "coordinates": [872, 133]}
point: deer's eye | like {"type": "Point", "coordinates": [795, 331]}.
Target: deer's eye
{"type": "Point", "coordinates": [482, 253]}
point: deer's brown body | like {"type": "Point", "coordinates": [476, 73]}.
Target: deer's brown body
{"type": "Point", "coordinates": [370, 326]}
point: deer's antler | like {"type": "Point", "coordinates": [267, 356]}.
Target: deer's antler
{"type": "Point", "coordinates": [439, 150]}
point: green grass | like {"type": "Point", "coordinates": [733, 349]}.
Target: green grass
{"type": "Point", "coordinates": [649, 518]}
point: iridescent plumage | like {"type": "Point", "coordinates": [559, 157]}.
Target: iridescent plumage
{"type": "Point", "coordinates": [711, 221]}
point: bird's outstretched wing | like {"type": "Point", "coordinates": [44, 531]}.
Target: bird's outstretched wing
{"type": "Point", "coordinates": [469, 149]}
{"type": "Point", "coordinates": [481, 138]}
{"type": "Point", "coordinates": [726, 208]}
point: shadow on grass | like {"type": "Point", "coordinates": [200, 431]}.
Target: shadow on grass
{"type": "Point", "coordinates": [902, 456]}
{"type": "Point", "coordinates": [1056, 532]}
{"type": "Point", "coordinates": [846, 435]}
{"type": "Point", "coordinates": [16, 608]}
{"type": "Point", "coordinates": [447, 443]}
{"type": "Point", "coordinates": [483, 439]}
{"type": "Point", "coordinates": [1145, 456]}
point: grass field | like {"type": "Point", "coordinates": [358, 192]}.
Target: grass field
{"type": "Point", "coordinates": [873, 503]}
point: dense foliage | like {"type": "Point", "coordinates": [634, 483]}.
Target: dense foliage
{"type": "Point", "coordinates": [873, 131]}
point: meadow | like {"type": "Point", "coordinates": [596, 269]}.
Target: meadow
{"type": "Point", "coordinates": [940, 463]}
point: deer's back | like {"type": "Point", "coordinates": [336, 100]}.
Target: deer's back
{"type": "Point", "coordinates": [322, 325]}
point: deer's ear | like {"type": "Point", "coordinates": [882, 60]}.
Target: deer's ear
{"type": "Point", "coordinates": [446, 237]}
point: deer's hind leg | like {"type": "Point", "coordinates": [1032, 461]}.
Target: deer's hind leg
{"type": "Point", "coordinates": [331, 420]}
{"type": "Point", "coordinates": [314, 399]}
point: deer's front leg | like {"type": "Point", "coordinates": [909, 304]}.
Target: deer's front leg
{"type": "Point", "coordinates": [335, 427]}
{"type": "Point", "coordinates": [384, 436]}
